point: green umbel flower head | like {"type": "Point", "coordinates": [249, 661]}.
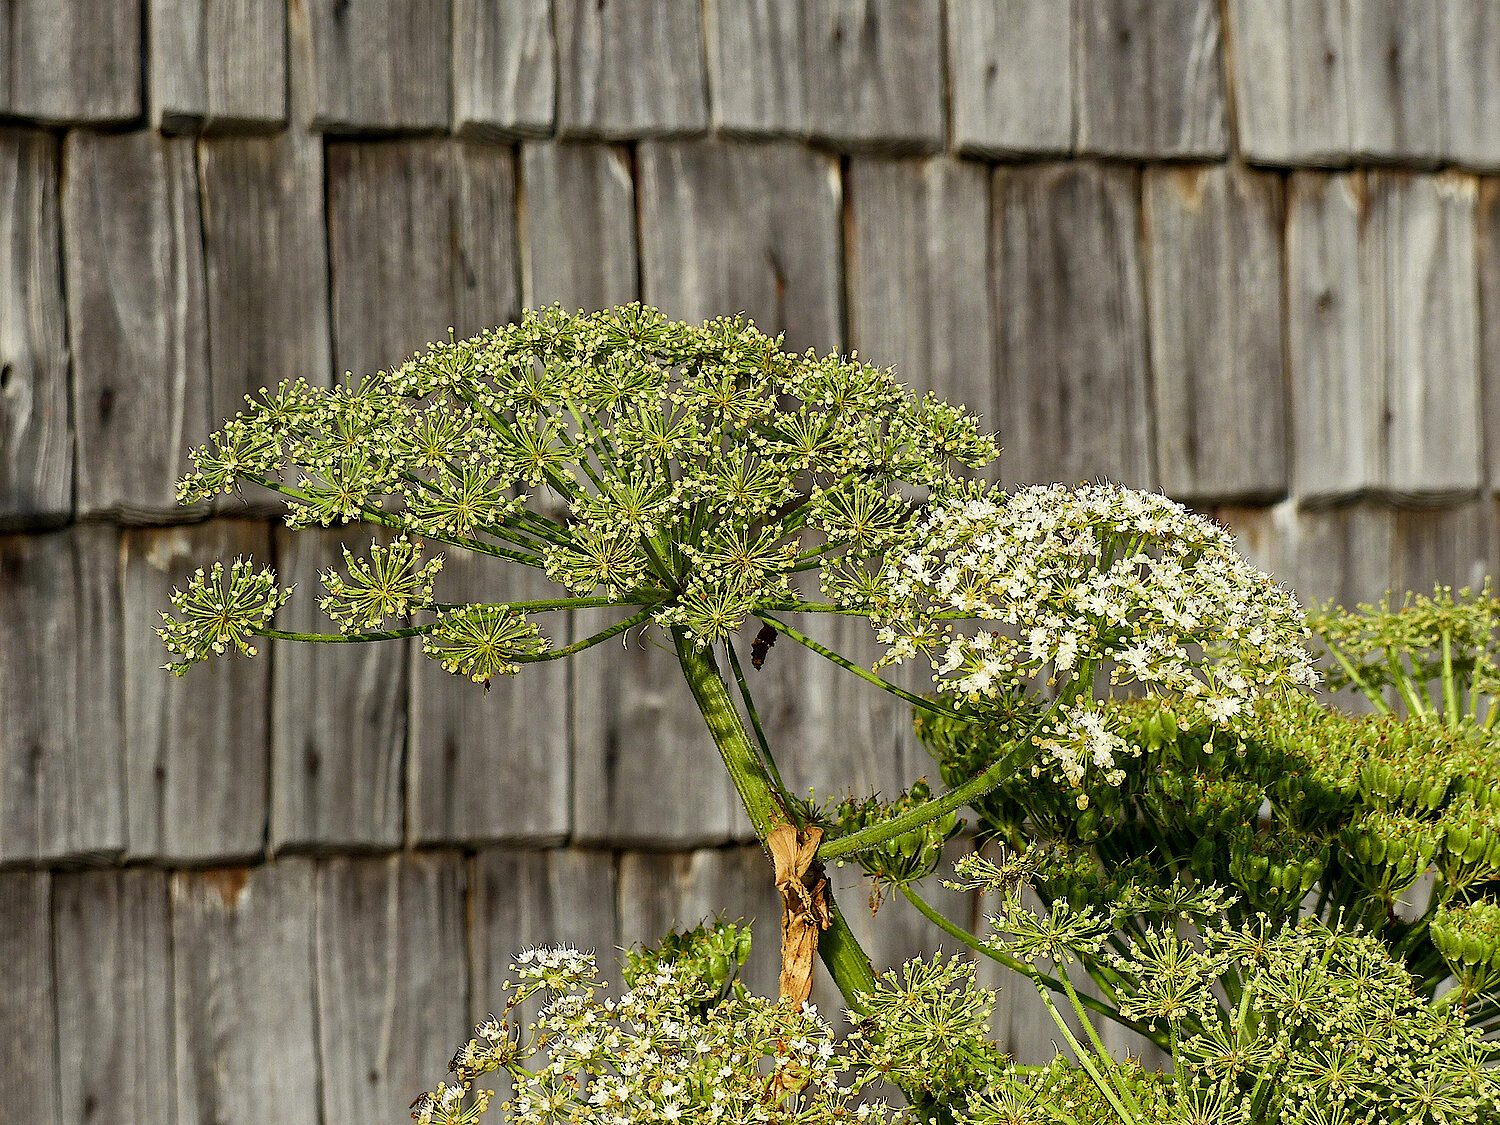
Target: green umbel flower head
{"type": "Point", "coordinates": [688, 471]}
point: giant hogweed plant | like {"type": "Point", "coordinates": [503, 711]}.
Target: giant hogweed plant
{"type": "Point", "coordinates": [684, 476]}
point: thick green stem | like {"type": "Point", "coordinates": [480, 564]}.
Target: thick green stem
{"type": "Point", "coordinates": [846, 962]}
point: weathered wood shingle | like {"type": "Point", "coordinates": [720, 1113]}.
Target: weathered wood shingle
{"type": "Point", "coordinates": [62, 790]}
{"type": "Point", "coordinates": [490, 765]}
{"type": "Point", "coordinates": [137, 323]}
{"type": "Point", "coordinates": [114, 997]}
{"type": "Point", "coordinates": [29, 1078]}
{"type": "Point", "coordinates": [70, 64]}
{"type": "Point", "coordinates": [504, 68]}
{"type": "Point", "coordinates": [1488, 257]}
{"type": "Point", "coordinates": [36, 441]}
{"type": "Point", "coordinates": [1072, 404]}
{"type": "Point", "coordinates": [1470, 99]}
{"type": "Point", "coordinates": [743, 228]}
{"type": "Point", "coordinates": [389, 942]}
{"type": "Point", "coordinates": [755, 67]}
{"type": "Point", "coordinates": [578, 230]}
{"type": "Point", "coordinates": [422, 239]}
{"type": "Point", "coordinates": [243, 995]}
{"type": "Point", "coordinates": [1010, 76]}
{"type": "Point", "coordinates": [217, 64]}
{"type": "Point", "coordinates": [1395, 81]}
{"type": "Point", "coordinates": [630, 68]}
{"type": "Point", "coordinates": [373, 65]}
{"type": "Point", "coordinates": [916, 262]}
{"type": "Point", "coordinates": [196, 746]}
{"type": "Point", "coordinates": [1150, 78]}
{"type": "Point", "coordinates": [338, 718]}
{"type": "Point", "coordinates": [1214, 268]}
{"type": "Point", "coordinates": [1342, 554]}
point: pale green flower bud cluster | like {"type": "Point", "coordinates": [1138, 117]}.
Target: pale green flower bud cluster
{"type": "Point", "coordinates": [219, 611]}
{"type": "Point", "coordinates": [1094, 581]}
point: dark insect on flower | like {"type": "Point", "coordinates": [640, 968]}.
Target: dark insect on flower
{"type": "Point", "coordinates": [763, 642]}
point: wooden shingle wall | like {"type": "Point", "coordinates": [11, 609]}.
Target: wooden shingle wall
{"type": "Point", "coordinates": [1245, 252]}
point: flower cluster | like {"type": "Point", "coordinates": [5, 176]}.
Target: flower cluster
{"type": "Point", "coordinates": [689, 470]}
{"type": "Point", "coordinates": [1094, 582]}
{"type": "Point", "coordinates": [219, 611]}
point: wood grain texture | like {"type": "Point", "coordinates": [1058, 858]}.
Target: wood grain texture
{"type": "Point", "coordinates": [1213, 252]}
{"type": "Point", "coordinates": [266, 274]}
{"type": "Point", "coordinates": [755, 67]}
{"type": "Point", "coordinates": [36, 441]}
{"type": "Point", "coordinates": [29, 1078]}
{"type": "Point", "coordinates": [1395, 81]}
{"type": "Point", "coordinates": [664, 891]}
{"type": "Point", "coordinates": [1422, 341]}
{"type": "Point", "coordinates": [137, 323]}
{"type": "Point", "coordinates": [1335, 415]}
{"type": "Point", "coordinates": [73, 64]}
{"type": "Point", "coordinates": [917, 269]}
{"type": "Point", "coordinates": [645, 770]}
{"type": "Point", "coordinates": [217, 64]}
{"type": "Point", "coordinates": [196, 747]}
{"type": "Point", "coordinates": [338, 712]}
{"type": "Point", "coordinates": [731, 228]}
{"type": "Point", "coordinates": [243, 995]}
{"type": "Point", "coordinates": [1010, 76]}
{"type": "Point", "coordinates": [1150, 78]}
{"type": "Point", "coordinates": [374, 65]}
{"type": "Point", "coordinates": [389, 941]}
{"type": "Point", "coordinates": [1488, 258]}
{"type": "Point", "coordinates": [1290, 64]}
{"type": "Point", "coordinates": [504, 70]}
{"type": "Point", "coordinates": [422, 239]}
{"type": "Point", "coordinates": [1342, 554]}
{"type": "Point", "coordinates": [521, 899]}
{"type": "Point", "coordinates": [1073, 404]}
{"type": "Point", "coordinates": [114, 1001]}
{"type": "Point", "coordinates": [1470, 101]}
{"type": "Point", "coordinates": [494, 765]}
{"type": "Point", "coordinates": [630, 68]}
{"type": "Point", "coordinates": [62, 790]}
{"type": "Point", "coordinates": [578, 229]}
{"type": "Point", "coordinates": [874, 73]}
{"type": "Point", "coordinates": [1452, 546]}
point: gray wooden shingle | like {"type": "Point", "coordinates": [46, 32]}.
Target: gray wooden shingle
{"type": "Point", "coordinates": [578, 236]}
{"type": "Point", "coordinates": [917, 262]}
{"type": "Point", "coordinates": [373, 65]}
{"type": "Point", "coordinates": [1150, 78]}
{"type": "Point", "coordinates": [663, 891]}
{"type": "Point", "coordinates": [755, 67]}
{"type": "Point", "coordinates": [874, 73]}
{"type": "Point", "coordinates": [266, 273]}
{"type": "Point", "coordinates": [338, 712]}
{"type": "Point", "coordinates": [1449, 546]}
{"type": "Point", "coordinates": [1336, 439]}
{"type": "Point", "coordinates": [729, 228]}
{"type": "Point", "coordinates": [422, 238]}
{"type": "Point", "coordinates": [61, 761]}
{"type": "Point", "coordinates": [645, 770]}
{"type": "Point", "coordinates": [1215, 269]}
{"type": "Point", "coordinates": [36, 441]}
{"type": "Point", "coordinates": [137, 324]}
{"type": "Point", "coordinates": [1488, 258]}
{"type": "Point", "coordinates": [523, 899]}
{"type": "Point", "coordinates": [71, 63]}
{"type": "Point", "coordinates": [114, 999]}
{"type": "Point", "coordinates": [504, 70]}
{"type": "Point", "coordinates": [1423, 339]}
{"type": "Point", "coordinates": [389, 942]}
{"type": "Point", "coordinates": [29, 1078]}
{"type": "Point", "coordinates": [1342, 554]}
{"type": "Point", "coordinates": [630, 68]}
{"type": "Point", "coordinates": [474, 754]}
{"type": "Point", "coordinates": [1470, 101]}
{"type": "Point", "coordinates": [1073, 404]}
{"type": "Point", "coordinates": [1010, 76]}
{"type": "Point", "coordinates": [1395, 80]}
{"type": "Point", "coordinates": [217, 64]}
{"type": "Point", "coordinates": [243, 995]}
{"type": "Point", "coordinates": [196, 747]}
{"type": "Point", "coordinates": [1291, 74]}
